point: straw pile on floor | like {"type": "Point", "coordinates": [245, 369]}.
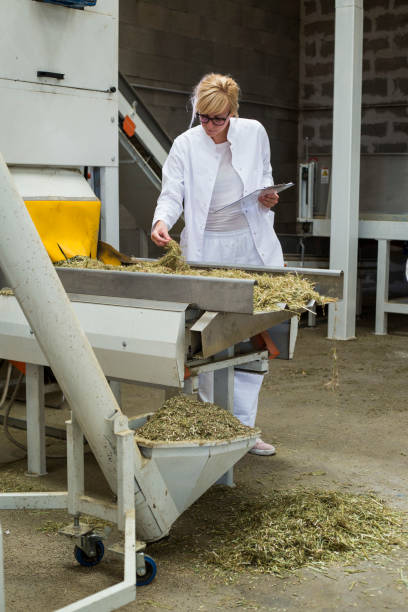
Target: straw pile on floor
{"type": "Point", "coordinates": [183, 417]}
{"type": "Point", "coordinates": [270, 290]}
{"type": "Point", "coordinates": [284, 531]}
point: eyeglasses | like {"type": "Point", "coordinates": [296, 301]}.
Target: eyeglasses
{"type": "Point", "coordinates": [215, 120]}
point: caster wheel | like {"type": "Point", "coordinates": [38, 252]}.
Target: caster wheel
{"type": "Point", "coordinates": [151, 570]}
{"type": "Point", "coordinates": [86, 561]}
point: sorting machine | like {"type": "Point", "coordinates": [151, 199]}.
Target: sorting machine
{"type": "Point", "coordinates": [163, 330]}
{"type": "Point", "coordinates": [149, 328]}
{"type": "Point", "coordinates": [91, 325]}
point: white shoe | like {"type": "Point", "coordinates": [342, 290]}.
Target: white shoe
{"type": "Point", "coordinates": [262, 448]}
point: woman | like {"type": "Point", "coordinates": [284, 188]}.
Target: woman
{"type": "Point", "coordinates": [209, 166]}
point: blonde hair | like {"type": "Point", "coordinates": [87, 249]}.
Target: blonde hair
{"type": "Point", "coordinates": [213, 94]}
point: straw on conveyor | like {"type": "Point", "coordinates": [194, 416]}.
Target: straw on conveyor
{"type": "Point", "coordinates": [270, 291]}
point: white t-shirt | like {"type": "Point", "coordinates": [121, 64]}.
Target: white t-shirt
{"type": "Point", "coordinates": [228, 188]}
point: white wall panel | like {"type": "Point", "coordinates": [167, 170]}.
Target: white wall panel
{"type": "Point", "coordinates": [72, 128]}
{"type": "Point", "coordinates": [82, 45]}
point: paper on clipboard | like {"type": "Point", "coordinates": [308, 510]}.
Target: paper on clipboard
{"type": "Point", "coordinates": [252, 198]}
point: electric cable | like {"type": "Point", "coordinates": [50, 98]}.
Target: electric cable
{"type": "Point", "coordinates": [6, 384]}
{"type": "Point", "coordinates": [7, 413]}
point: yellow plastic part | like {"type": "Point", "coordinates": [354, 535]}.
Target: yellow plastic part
{"type": "Point", "coordinates": [109, 255]}
{"type": "Point", "coordinates": [67, 227]}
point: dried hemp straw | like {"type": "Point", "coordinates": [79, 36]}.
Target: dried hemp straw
{"type": "Point", "coordinates": [270, 291]}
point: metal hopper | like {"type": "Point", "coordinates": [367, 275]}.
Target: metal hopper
{"type": "Point", "coordinates": [188, 468]}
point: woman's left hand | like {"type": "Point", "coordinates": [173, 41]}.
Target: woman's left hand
{"type": "Point", "coordinates": [269, 200]}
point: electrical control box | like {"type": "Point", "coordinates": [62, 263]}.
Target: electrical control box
{"type": "Point", "coordinates": [307, 175]}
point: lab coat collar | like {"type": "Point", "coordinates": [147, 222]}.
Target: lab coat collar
{"type": "Point", "coordinates": [206, 140]}
{"type": "Point", "coordinates": [231, 135]}
{"type": "Point", "coordinates": [232, 131]}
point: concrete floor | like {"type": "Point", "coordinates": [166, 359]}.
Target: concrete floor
{"type": "Point", "coordinates": [352, 438]}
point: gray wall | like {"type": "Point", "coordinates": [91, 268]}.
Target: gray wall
{"type": "Point", "coordinates": [385, 76]}
{"type": "Point", "coordinates": [170, 44]}
{"type": "Point", "coordinates": [281, 52]}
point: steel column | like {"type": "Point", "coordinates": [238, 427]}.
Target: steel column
{"type": "Point", "coordinates": [346, 161]}
{"type": "Point", "coordinates": [383, 272]}
{"type": "Point", "coordinates": [224, 397]}
{"type": "Point", "coordinates": [75, 465]}
{"type": "Point", "coordinates": [2, 596]}
{"type": "Point", "coordinates": [36, 459]}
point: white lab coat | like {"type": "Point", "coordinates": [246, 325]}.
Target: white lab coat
{"type": "Point", "coordinates": [233, 248]}
{"type": "Point", "coordinates": [189, 175]}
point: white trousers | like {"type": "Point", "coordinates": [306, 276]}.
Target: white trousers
{"type": "Point", "coordinates": [233, 248]}
{"type": "Point", "coordinates": [246, 391]}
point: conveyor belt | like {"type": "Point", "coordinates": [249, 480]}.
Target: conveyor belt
{"type": "Point", "coordinates": [142, 156]}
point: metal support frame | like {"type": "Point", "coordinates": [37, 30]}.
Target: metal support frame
{"type": "Point", "coordinates": [311, 316]}
{"type": "Point", "coordinates": [383, 231]}
{"type": "Point", "coordinates": [346, 161]}
{"type": "Point", "coordinates": [36, 457]}
{"type": "Point", "coordinates": [383, 274]}
{"type": "Point", "coordinates": [293, 332]}
{"type": "Point", "coordinates": [383, 304]}
{"type": "Point", "coordinates": [224, 397]}
{"type": "Point", "coordinates": [2, 594]}
{"type": "Point", "coordinates": [75, 501]}
{"type": "Point", "coordinates": [137, 158]}
{"type": "Point", "coordinates": [124, 514]}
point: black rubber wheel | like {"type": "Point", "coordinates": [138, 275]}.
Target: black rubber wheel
{"type": "Point", "coordinates": [86, 561]}
{"type": "Point", "coordinates": [151, 571]}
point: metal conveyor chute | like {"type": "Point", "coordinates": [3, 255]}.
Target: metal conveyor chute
{"type": "Point", "coordinates": [144, 146]}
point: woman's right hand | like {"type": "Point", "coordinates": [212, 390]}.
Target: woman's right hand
{"type": "Point", "coordinates": [160, 234]}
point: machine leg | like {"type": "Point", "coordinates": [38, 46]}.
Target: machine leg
{"type": "Point", "coordinates": [383, 273]}
{"type": "Point", "coordinates": [2, 597]}
{"type": "Point", "coordinates": [311, 316]}
{"type": "Point", "coordinates": [75, 465]}
{"type": "Point", "coordinates": [89, 549]}
{"type": "Point", "coordinates": [35, 420]}
{"type": "Point", "coordinates": [293, 332]}
{"type": "Point", "coordinates": [224, 397]}
{"type": "Point", "coordinates": [126, 501]}
{"type": "Point", "coordinates": [126, 479]}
